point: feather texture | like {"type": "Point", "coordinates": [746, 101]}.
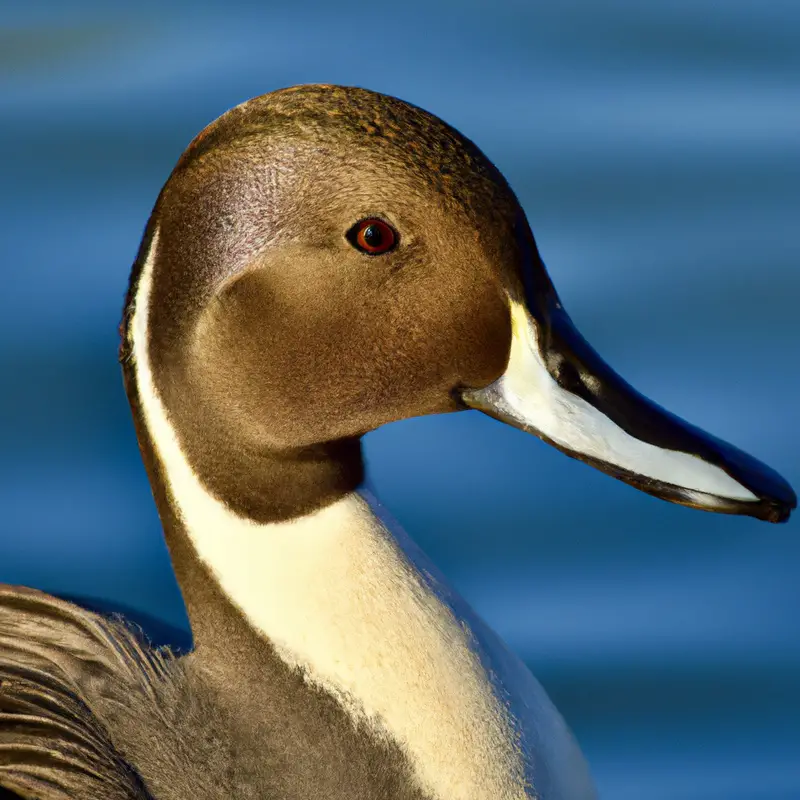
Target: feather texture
{"type": "Point", "coordinates": [88, 711]}
{"type": "Point", "coordinates": [58, 665]}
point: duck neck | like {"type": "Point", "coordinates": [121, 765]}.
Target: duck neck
{"type": "Point", "coordinates": [342, 602]}
{"type": "Point", "coordinates": [221, 548]}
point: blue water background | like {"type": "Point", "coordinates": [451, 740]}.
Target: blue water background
{"type": "Point", "coordinates": [656, 149]}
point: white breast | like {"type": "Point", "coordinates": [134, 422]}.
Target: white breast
{"type": "Point", "coordinates": [355, 605]}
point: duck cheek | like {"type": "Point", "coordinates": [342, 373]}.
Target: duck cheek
{"type": "Point", "coordinates": [479, 341]}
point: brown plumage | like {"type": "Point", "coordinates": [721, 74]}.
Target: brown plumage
{"type": "Point", "coordinates": [64, 673]}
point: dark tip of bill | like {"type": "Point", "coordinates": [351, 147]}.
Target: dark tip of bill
{"type": "Point", "coordinates": [779, 512]}
{"type": "Point", "coordinates": [778, 506]}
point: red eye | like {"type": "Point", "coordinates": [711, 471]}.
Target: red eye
{"type": "Point", "coordinates": [372, 236]}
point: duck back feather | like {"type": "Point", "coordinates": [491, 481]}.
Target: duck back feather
{"type": "Point", "coordinates": [89, 711]}
{"type": "Point", "coordinates": [63, 670]}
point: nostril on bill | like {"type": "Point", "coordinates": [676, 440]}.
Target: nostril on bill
{"type": "Point", "coordinates": [568, 377]}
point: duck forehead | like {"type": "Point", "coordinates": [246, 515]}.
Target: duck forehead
{"type": "Point", "coordinates": [337, 129]}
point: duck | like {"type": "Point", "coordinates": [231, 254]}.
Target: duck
{"type": "Point", "coordinates": [324, 260]}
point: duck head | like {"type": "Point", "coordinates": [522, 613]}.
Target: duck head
{"type": "Point", "coordinates": [327, 260]}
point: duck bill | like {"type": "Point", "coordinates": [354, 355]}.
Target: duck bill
{"type": "Point", "coordinates": [557, 387]}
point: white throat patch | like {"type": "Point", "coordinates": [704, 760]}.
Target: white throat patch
{"type": "Point", "coordinates": [346, 600]}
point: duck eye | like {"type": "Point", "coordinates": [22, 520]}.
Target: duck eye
{"type": "Point", "coordinates": [372, 236]}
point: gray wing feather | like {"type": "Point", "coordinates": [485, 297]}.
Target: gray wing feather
{"type": "Point", "coordinates": [58, 662]}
